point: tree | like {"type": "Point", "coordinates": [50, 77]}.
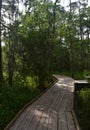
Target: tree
{"type": "Point", "coordinates": [38, 41]}
{"type": "Point", "coordinates": [12, 13]}
{"type": "Point", "coordinates": [1, 69]}
{"type": "Point", "coordinates": [46, 31]}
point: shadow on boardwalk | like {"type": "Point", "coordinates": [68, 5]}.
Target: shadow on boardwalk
{"type": "Point", "coordinates": [52, 111]}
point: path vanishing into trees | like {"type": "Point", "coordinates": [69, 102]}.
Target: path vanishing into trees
{"type": "Point", "coordinates": [52, 111]}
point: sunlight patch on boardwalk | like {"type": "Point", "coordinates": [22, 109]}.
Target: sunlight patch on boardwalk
{"type": "Point", "coordinates": [52, 111]}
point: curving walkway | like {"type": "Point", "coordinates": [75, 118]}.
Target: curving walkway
{"type": "Point", "coordinates": [52, 111]}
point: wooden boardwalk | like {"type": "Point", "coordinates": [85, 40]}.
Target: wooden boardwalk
{"type": "Point", "coordinates": [52, 111]}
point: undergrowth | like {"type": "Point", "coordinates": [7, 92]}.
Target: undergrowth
{"type": "Point", "coordinates": [83, 108]}
{"type": "Point", "coordinates": [12, 99]}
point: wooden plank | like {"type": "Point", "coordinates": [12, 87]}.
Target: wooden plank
{"type": "Point", "coordinates": [44, 121]}
{"type": "Point", "coordinates": [48, 115]}
{"type": "Point", "coordinates": [61, 96]}
{"type": "Point", "coordinates": [69, 103]}
{"type": "Point", "coordinates": [47, 101]}
{"type": "Point", "coordinates": [53, 104]}
{"type": "Point", "coordinates": [26, 121]}
{"type": "Point", "coordinates": [52, 122]}
{"type": "Point", "coordinates": [21, 118]}
{"type": "Point", "coordinates": [70, 121]}
{"type": "Point", "coordinates": [33, 124]}
{"type": "Point", "coordinates": [62, 122]}
{"type": "Point", "coordinates": [76, 121]}
{"type": "Point", "coordinates": [62, 106]}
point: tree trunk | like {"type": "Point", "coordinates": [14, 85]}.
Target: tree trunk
{"type": "Point", "coordinates": [71, 45]}
{"type": "Point", "coordinates": [41, 80]}
{"type": "Point", "coordinates": [10, 70]}
{"type": "Point", "coordinates": [1, 71]}
{"type": "Point", "coordinates": [41, 83]}
{"type": "Point", "coordinates": [71, 61]}
{"type": "Point", "coordinates": [11, 64]}
{"type": "Point", "coordinates": [10, 77]}
{"type": "Point", "coordinates": [54, 16]}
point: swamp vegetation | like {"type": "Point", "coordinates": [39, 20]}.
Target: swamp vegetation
{"type": "Point", "coordinates": [82, 108]}
{"type": "Point", "coordinates": [39, 38]}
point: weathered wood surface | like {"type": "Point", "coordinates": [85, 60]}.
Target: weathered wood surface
{"type": "Point", "coordinates": [52, 111]}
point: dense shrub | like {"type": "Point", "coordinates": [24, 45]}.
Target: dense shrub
{"type": "Point", "coordinates": [12, 99]}
{"type": "Point", "coordinates": [83, 108]}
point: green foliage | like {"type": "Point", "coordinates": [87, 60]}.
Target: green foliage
{"type": "Point", "coordinates": [38, 41]}
{"type": "Point", "coordinates": [86, 73]}
{"type": "Point", "coordinates": [83, 113]}
{"type": "Point", "coordinates": [12, 100]}
{"type": "Point", "coordinates": [78, 75]}
{"type": "Point", "coordinates": [45, 38]}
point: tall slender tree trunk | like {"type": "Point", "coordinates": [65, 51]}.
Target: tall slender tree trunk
{"type": "Point", "coordinates": [10, 70]}
{"type": "Point", "coordinates": [71, 45]}
{"type": "Point", "coordinates": [54, 16]}
{"type": "Point", "coordinates": [11, 64]}
{"type": "Point", "coordinates": [41, 78]}
{"type": "Point", "coordinates": [1, 71]}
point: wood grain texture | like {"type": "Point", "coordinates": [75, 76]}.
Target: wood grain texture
{"type": "Point", "coordinates": [52, 111]}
